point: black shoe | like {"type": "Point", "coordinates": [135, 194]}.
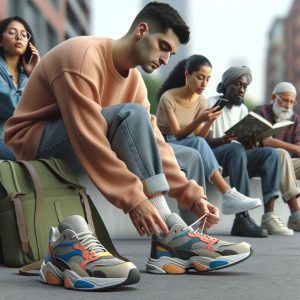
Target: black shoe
{"type": "Point", "coordinates": [245, 226]}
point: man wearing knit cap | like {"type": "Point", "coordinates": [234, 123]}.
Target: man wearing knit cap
{"type": "Point", "coordinates": [243, 161]}
{"type": "Point", "coordinates": [287, 141]}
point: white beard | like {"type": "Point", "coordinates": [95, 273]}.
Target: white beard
{"type": "Point", "coordinates": [281, 114]}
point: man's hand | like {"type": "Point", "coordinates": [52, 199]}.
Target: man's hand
{"type": "Point", "coordinates": [202, 207]}
{"type": "Point", "coordinates": [147, 220]}
{"type": "Point", "coordinates": [251, 143]}
{"type": "Point", "coordinates": [227, 138]}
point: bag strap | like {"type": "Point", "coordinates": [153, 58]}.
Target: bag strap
{"type": "Point", "coordinates": [31, 269]}
{"type": "Point", "coordinates": [38, 205]}
{"type": "Point", "coordinates": [21, 224]}
{"type": "Point", "coordinates": [79, 187]}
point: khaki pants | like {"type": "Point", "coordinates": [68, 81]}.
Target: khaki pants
{"type": "Point", "coordinates": [288, 183]}
{"type": "Point", "coordinates": [296, 163]}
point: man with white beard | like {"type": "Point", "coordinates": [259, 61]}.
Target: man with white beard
{"type": "Point", "coordinates": [281, 109]}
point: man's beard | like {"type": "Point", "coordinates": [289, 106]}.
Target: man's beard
{"type": "Point", "coordinates": [237, 102]}
{"type": "Point", "coordinates": [281, 114]}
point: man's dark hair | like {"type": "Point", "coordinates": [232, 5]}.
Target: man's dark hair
{"type": "Point", "coordinates": [160, 17]}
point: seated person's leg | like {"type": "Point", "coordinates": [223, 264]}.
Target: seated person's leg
{"type": "Point", "coordinates": [289, 188]}
{"type": "Point", "coordinates": [232, 201]}
{"type": "Point", "coordinates": [5, 152]}
{"type": "Point", "coordinates": [148, 167]}
{"type": "Point", "coordinates": [232, 157]}
{"type": "Point", "coordinates": [265, 162]}
{"type": "Point", "coordinates": [190, 162]}
{"type": "Point", "coordinates": [296, 164]}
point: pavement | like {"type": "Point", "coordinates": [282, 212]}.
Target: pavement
{"type": "Point", "coordinates": [273, 272]}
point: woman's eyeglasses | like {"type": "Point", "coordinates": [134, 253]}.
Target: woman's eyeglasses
{"type": "Point", "coordinates": [14, 33]}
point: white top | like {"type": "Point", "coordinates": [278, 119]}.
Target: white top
{"type": "Point", "coordinates": [228, 117]}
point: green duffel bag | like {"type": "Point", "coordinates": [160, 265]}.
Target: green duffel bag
{"type": "Point", "coordinates": [35, 195]}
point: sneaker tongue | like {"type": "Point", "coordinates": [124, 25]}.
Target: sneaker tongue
{"type": "Point", "coordinates": [175, 219]}
{"type": "Point", "coordinates": [75, 223]}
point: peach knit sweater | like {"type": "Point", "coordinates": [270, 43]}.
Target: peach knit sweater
{"type": "Point", "coordinates": [73, 82]}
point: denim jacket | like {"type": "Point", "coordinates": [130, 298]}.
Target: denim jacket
{"type": "Point", "coordinates": [9, 93]}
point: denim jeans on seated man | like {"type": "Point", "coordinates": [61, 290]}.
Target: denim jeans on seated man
{"type": "Point", "coordinates": [55, 142]}
{"type": "Point", "coordinates": [240, 165]}
{"type": "Point", "coordinates": [209, 163]}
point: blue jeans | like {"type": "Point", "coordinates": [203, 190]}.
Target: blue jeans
{"type": "Point", "coordinates": [131, 138]}
{"type": "Point", "coordinates": [198, 143]}
{"type": "Point", "coordinates": [241, 164]}
{"type": "Point", "coordinates": [5, 152]}
{"type": "Point", "coordinates": [190, 162]}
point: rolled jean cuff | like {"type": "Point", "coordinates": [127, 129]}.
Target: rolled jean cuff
{"type": "Point", "coordinates": [291, 193]}
{"type": "Point", "coordinates": [156, 184]}
{"type": "Point", "coordinates": [269, 196]}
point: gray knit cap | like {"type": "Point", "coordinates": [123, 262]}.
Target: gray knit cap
{"type": "Point", "coordinates": [232, 74]}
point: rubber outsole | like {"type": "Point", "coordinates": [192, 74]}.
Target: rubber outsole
{"type": "Point", "coordinates": [168, 265]}
{"type": "Point", "coordinates": [51, 275]}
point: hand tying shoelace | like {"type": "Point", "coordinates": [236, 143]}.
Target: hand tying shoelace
{"type": "Point", "coordinates": [198, 221]}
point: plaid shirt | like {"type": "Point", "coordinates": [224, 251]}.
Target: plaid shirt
{"type": "Point", "coordinates": [289, 134]}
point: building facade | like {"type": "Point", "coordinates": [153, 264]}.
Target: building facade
{"type": "Point", "coordinates": [275, 57]}
{"type": "Point", "coordinates": [283, 56]}
{"type": "Point", "coordinates": [292, 52]}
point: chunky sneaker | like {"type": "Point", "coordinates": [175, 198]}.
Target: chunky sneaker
{"type": "Point", "coordinates": [294, 222]}
{"type": "Point", "coordinates": [243, 225]}
{"type": "Point", "coordinates": [275, 226]}
{"type": "Point", "coordinates": [184, 249]}
{"type": "Point", "coordinates": [78, 261]}
{"type": "Point", "coordinates": [233, 202]}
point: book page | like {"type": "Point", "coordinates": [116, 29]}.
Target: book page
{"type": "Point", "coordinates": [282, 124]}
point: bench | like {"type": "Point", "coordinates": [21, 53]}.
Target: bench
{"type": "Point", "coordinates": [120, 227]}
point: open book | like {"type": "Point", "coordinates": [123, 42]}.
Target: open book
{"type": "Point", "coordinates": [254, 124]}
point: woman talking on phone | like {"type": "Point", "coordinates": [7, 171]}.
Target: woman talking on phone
{"type": "Point", "coordinates": [18, 57]}
{"type": "Point", "coordinates": [183, 118]}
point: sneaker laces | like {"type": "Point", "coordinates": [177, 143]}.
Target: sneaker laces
{"type": "Point", "coordinates": [88, 240]}
{"type": "Point", "coordinates": [198, 221]}
{"type": "Point", "coordinates": [278, 221]}
{"type": "Point", "coordinates": [238, 195]}
{"type": "Point", "coordinates": [201, 234]}
{"type": "Point", "coordinates": [203, 237]}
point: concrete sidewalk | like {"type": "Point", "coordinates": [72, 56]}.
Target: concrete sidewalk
{"type": "Point", "coordinates": [273, 272]}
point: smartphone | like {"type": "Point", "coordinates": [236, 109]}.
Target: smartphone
{"type": "Point", "coordinates": [28, 55]}
{"type": "Point", "coordinates": [221, 103]}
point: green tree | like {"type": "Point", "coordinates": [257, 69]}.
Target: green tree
{"type": "Point", "coordinates": [153, 85]}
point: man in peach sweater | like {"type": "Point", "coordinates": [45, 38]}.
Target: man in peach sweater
{"type": "Point", "coordinates": [87, 103]}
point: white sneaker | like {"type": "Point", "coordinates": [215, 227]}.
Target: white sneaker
{"type": "Point", "coordinates": [233, 202]}
{"type": "Point", "coordinates": [275, 226]}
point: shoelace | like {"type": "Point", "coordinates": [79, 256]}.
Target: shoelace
{"type": "Point", "coordinates": [197, 221]}
{"type": "Point", "coordinates": [238, 195]}
{"type": "Point", "coordinates": [278, 221]}
{"type": "Point", "coordinates": [201, 234]}
{"type": "Point", "coordinates": [90, 241]}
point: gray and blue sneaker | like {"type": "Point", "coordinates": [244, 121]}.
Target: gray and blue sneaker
{"type": "Point", "coordinates": [79, 261]}
{"type": "Point", "coordinates": [184, 249]}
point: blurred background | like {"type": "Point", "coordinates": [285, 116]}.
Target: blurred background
{"type": "Point", "coordinates": [262, 34]}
